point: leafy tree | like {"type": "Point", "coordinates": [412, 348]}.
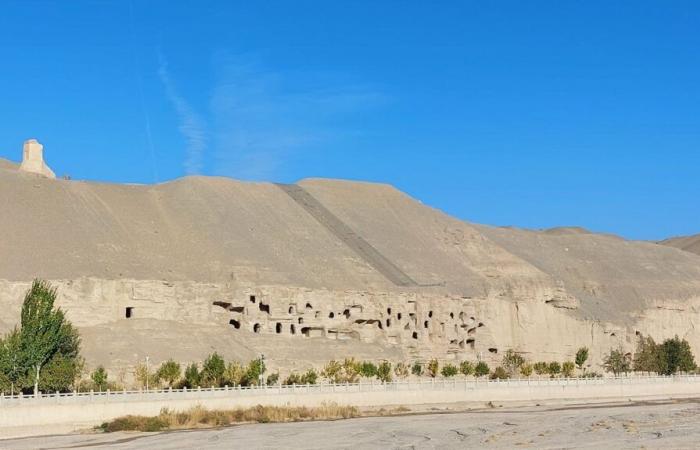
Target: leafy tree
{"type": "Point", "coordinates": [448, 371]}
{"type": "Point", "coordinates": [44, 331]}
{"type": "Point", "coordinates": [384, 371]}
{"type": "Point", "coordinates": [481, 369]}
{"type": "Point", "coordinates": [99, 377]}
{"type": "Point", "coordinates": [213, 369]}
{"type": "Point", "coordinates": [617, 362]}
{"type": "Point", "coordinates": [292, 379]}
{"type": "Point", "coordinates": [554, 368]}
{"type": "Point", "coordinates": [648, 357]}
{"type": "Point", "coordinates": [256, 368]}
{"type": "Point", "coordinates": [12, 367]}
{"type": "Point", "coordinates": [499, 373]}
{"type": "Point", "coordinates": [678, 356]}
{"type": "Point", "coordinates": [169, 372]}
{"type": "Point", "coordinates": [310, 377]}
{"type": "Point", "coordinates": [417, 369]}
{"type": "Point", "coordinates": [581, 357]}
{"type": "Point", "coordinates": [567, 369]}
{"type": "Point", "coordinates": [60, 374]}
{"type": "Point", "coordinates": [273, 378]}
{"type": "Point", "coordinates": [466, 368]}
{"type": "Point", "coordinates": [191, 378]}
{"type": "Point", "coordinates": [512, 361]}
{"type": "Point", "coordinates": [234, 373]}
{"type": "Point", "coordinates": [433, 368]}
{"type": "Point", "coordinates": [368, 369]}
{"type": "Point", "coordinates": [145, 376]}
{"type": "Point", "coordinates": [541, 368]}
{"type": "Point", "coordinates": [526, 369]}
{"type": "Point", "coordinates": [333, 371]}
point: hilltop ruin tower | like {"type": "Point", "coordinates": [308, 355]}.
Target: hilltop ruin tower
{"type": "Point", "coordinates": [33, 159]}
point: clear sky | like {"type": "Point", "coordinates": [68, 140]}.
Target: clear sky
{"type": "Point", "coordinates": [525, 113]}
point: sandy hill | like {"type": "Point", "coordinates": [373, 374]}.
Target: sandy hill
{"type": "Point", "coordinates": [354, 236]}
{"type": "Point", "coordinates": [687, 243]}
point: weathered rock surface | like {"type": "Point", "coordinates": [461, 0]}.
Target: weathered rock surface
{"type": "Point", "coordinates": [338, 269]}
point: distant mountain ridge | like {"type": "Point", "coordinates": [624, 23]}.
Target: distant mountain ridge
{"type": "Point", "coordinates": [687, 243]}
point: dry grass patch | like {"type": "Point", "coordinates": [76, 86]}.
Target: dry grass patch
{"type": "Point", "coordinates": [199, 417]}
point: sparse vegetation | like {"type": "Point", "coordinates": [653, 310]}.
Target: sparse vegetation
{"type": "Point", "coordinates": [401, 370]}
{"type": "Point", "coordinates": [448, 371]}
{"type": "Point", "coordinates": [526, 369]}
{"type": "Point", "coordinates": [481, 369]}
{"type": "Point", "coordinates": [199, 417]}
{"type": "Point", "coordinates": [567, 369]}
{"type": "Point", "coordinates": [554, 368]}
{"type": "Point", "coordinates": [512, 361]}
{"type": "Point", "coordinates": [433, 368]}
{"type": "Point", "coordinates": [541, 368]}
{"type": "Point", "coordinates": [417, 369]}
{"type": "Point", "coordinates": [466, 368]}
{"type": "Point", "coordinates": [384, 371]}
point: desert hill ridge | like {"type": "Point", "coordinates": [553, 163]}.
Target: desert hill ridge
{"type": "Point", "coordinates": [687, 243]}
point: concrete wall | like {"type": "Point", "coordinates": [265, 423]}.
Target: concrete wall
{"type": "Point", "coordinates": [67, 413]}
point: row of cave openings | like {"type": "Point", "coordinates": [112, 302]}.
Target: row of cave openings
{"type": "Point", "coordinates": [411, 326]}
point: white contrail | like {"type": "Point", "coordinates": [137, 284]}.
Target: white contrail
{"type": "Point", "coordinates": [191, 125]}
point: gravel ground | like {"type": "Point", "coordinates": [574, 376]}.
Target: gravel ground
{"type": "Point", "coordinates": [630, 425]}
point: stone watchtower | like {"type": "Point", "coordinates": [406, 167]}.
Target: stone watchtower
{"type": "Point", "coordinates": [33, 159]}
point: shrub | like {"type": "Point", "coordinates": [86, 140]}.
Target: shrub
{"type": "Point", "coordinates": [234, 374]}
{"type": "Point", "coordinates": [253, 372]}
{"type": "Point", "coordinates": [567, 369]}
{"type": "Point", "coordinates": [541, 368]}
{"type": "Point", "coordinates": [499, 373]}
{"type": "Point", "coordinates": [169, 372]}
{"type": "Point", "coordinates": [144, 376]}
{"type": "Point", "coordinates": [466, 368]}
{"type": "Point", "coordinates": [384, 371]}
{"type": "Point", "coordinates": [433, 368]}
{"type": "Point", "coordinates": [401, 370]}
{"type": "Point", "coordinates": [99, 378]}
{"type": "Point", "coordinates": [481, 369]}
{"type": "Point", "coordinates": [512, 361]}
{"type": "Point", "coordinates": [368, 369]}
{"type": "Point", "coordinates": [310, 377]}
{"type": "Point", "coordinates": [581, 357]}
{"type": "Point", "coordinates": [273, 379]}
{"type": "Point", "coordinates": [526, 369]}
{"type": "Point", "coordinates": [332, 371]}
{"type": "Point", "coordinates": [554, 368]}
{"type": "Point", "coordinates": [448, 370]}
{"type": "Point", "coordinates": [417, 369]}
{"type": "Point", "coordinates": [292, 378]}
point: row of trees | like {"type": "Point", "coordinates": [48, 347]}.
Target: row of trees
{"type": "Point", "coordinates": [669, 357]}
{"type": "Point", "coordinates": [43, 354]}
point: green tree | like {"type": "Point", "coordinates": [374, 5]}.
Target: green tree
{"type": "Point", "coordinates": [541, 368]}
{"type": "Point", "coordinates": [384, 371]}
{"type": "Point", "coordinates": [567, 369]}
{"type": "Point", "coordinates": [169, 372]}
{"type": "Point", "coordinates": [448, 371]}
{"type": "Point", "coordinates": [145, 376]}
{"type": "Point", "coordinates": [191, 379]}
{"type": "Point", "coordinates": [554, 368]}
{"type": "Point", "coordinates": [254, 371]}
{"type": "Point", "coordinates": [368, 369]}
{"type": "Point", "coordinates": [44, 331]}
{"type": "Point", "coordinates": [677, 355]}
{"type": "Point", "coordinates": [466, 368]}
{"type": "Point", "coordinates": [417, 369]}
{"type": "Point", "coordinates": [433, 368]}
{"type": "Point", "coordinates": [648, 356]}
{"type": "Point", "coordinates": [526, 369]}
{"type": "Point", "coordinates": [310, 377]}
{"type": "Point", "coordinates": [12, 367]}
{"type": "Point", "coordinates": [99, 377]}
{"type": "Point", "coordinates": [617, 362]}
{"type": "Point", "coordinates": [512, 361]}
{"type": "Point", "coordinates": [581, 357]}
{"type": "Point", "coordinates": [273, 379]}
{"type": "Point", "coordinates": [60, 374]}
{"type": "Point", "coordinates": [213, 369]}
{"type": "Point", "coordinates": [234, 373]}
{"type": "Point", "coordinates": [481, 369]}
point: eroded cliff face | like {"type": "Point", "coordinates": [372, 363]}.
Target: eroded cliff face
{"type": "Point", "coordinates": [324, 270]}
{"type": "Point", "coordinates": [123, 321]}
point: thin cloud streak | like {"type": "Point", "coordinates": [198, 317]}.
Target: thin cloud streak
{"type": "Point", "coordinates": [191, 125]}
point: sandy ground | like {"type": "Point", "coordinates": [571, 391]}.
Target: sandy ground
{"type": "Point", "coordinates": [629, 425]}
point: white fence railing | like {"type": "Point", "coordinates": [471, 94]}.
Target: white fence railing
{"type": "Point", "coordinates": [452, 384]}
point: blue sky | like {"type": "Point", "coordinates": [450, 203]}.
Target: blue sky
{"type": "Point", "coordinates": [533, 114]}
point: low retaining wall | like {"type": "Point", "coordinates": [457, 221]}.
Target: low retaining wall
{"type": "Point", "coordinates": [35, 416]}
